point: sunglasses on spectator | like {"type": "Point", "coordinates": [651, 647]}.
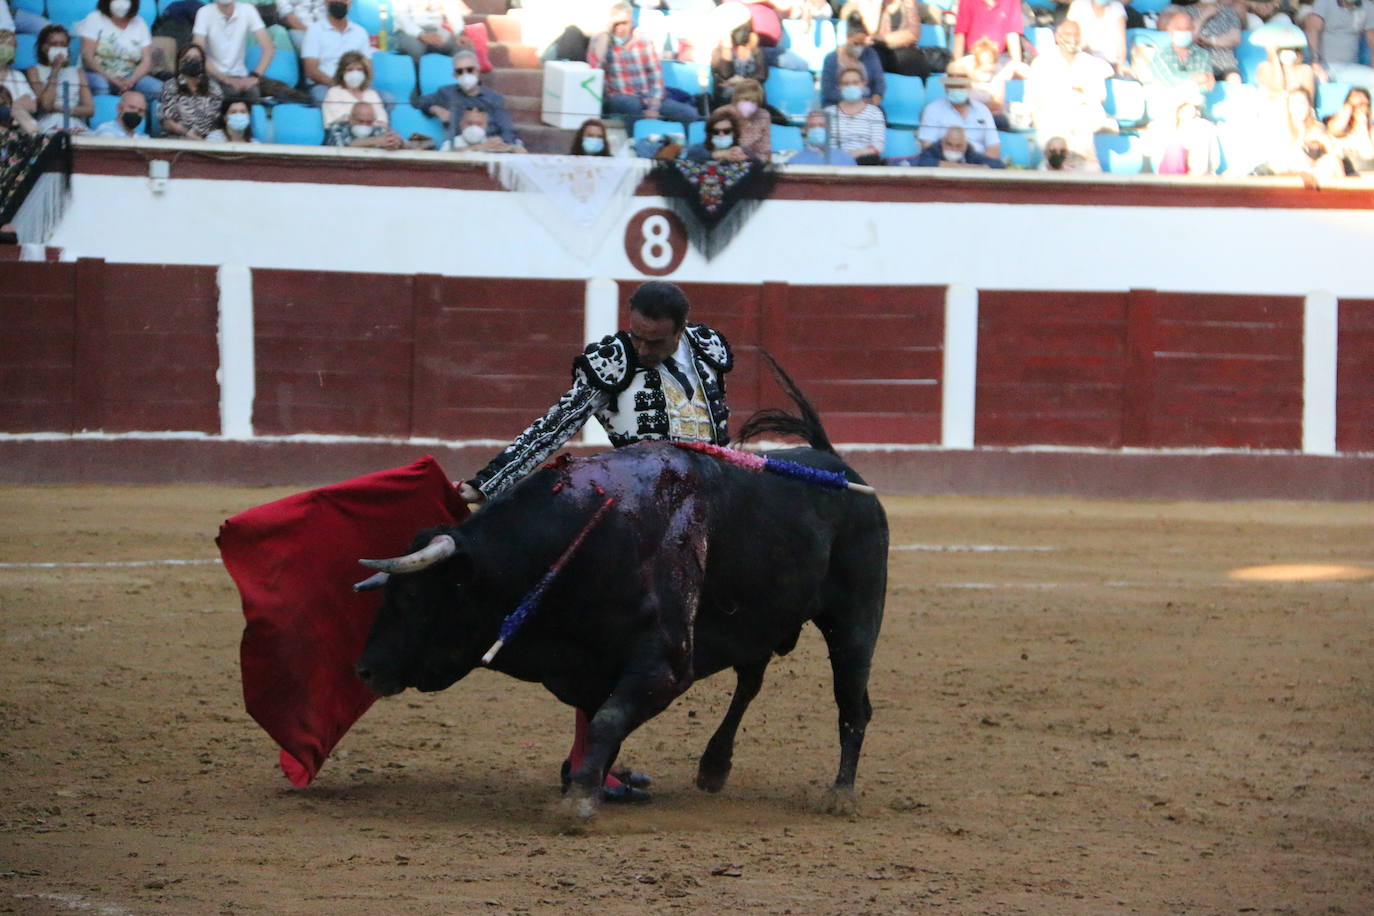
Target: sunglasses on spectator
{"type": "Point", "coordinates": [722, 132]}
{"type": "Point", "coordinates": [460, 70]}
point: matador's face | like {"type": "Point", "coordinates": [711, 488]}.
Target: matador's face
{"type": "Point", "coordinates": [654, 339]}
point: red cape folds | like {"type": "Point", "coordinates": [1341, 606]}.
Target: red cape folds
{"type": "Point", "coordinates": [294, 562]}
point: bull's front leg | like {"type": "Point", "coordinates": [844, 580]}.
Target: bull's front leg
{"type": "Point", "coordinates": [715, 764]}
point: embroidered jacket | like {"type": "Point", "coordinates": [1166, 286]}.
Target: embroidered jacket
{"type": "Point", "coordinates": [628, 399]}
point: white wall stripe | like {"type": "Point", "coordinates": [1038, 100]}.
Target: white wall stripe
{"type": "Point", "coordinates": [967, 548]}
{"type": "Point", "coordinates": [601, 316]}
{"type": "Point", "coordinates": [961, 366]}
{"type": "Point", "coordinates": [1319, 342]}
{"type": "Point", "coordinates": [236, 362]}
{"type": "Point", "coordinates": [108, 564]}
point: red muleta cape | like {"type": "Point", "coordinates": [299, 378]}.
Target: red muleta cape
{"type": "Point", "coordinates": [294, 562]}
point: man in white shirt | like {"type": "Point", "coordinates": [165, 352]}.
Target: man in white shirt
{"type": "Point", "coordinates": [1066, 90]}
{"type": "Point", "coordinates": [956, 109]}
{"type": "Point", "coordinates": [130, 114]}
{"type": "Point", "coordinates": [430, 26]}
{"type": "Point", "coordinates": [298, 15]}
{"type": "Point", "coordinates": [328, 40]}
{"type": "Point", "coordinates": [221, 30]}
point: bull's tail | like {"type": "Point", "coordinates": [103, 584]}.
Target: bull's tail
{"type": "Point", "coordinates": [775, 420]}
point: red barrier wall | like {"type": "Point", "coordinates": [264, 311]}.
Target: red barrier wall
{"type": "Point", "coordinates": [114, 347]}
{"type": "Point", "coordinates": [1355, 377]}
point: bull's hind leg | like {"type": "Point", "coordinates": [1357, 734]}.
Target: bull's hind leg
{"type": "Point", "coordinates": [714, 768]}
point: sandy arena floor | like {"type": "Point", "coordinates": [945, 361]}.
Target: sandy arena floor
{"type": "Point", "coordinates": [1093, 717]}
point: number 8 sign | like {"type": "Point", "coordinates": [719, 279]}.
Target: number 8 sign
{"type": "Point", "coordinates": [655, 241]}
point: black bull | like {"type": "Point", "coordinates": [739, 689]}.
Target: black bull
{"type": "Point", "coordinates": [698, 566]}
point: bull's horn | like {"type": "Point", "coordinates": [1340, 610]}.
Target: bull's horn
{"type": "Point", "coordinates": [372, 582]}
{"type": "Point", "coordinates": [440, 548]}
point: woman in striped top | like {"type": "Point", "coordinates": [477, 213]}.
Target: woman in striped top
{"type": "Point", "coordinates": [857, 127]}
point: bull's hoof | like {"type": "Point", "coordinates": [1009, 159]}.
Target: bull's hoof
{"type": "Point", "coordinates": [840, 801]}
{"type": "Point", "coordinates": [712, 778]}
{"type": "Point", "coordinates": [625, 795]}
{"type": "Point", "coordinates": [577, 807]}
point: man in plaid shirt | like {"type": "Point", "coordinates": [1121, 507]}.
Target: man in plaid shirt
{"type": "Point", "coordinates": [634, 77]}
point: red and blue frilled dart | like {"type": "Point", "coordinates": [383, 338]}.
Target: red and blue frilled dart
{"type": "Point", "coordinates": [751, 461]}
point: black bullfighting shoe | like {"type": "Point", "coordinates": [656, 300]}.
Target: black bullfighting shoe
{"type": "Point", "coordinates": [624, 794]}
{"type": "Point", "coordinates": [627, 776]}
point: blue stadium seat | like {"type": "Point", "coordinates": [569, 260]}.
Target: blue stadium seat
{"type": "Point", "coordinates": [933, 36]}
{"type": "Point", "coordinates": [1232, 101]}
{"type": "Point", "coordinates": [1125, 101]}
{"type": "Point", "coordinates": [935, 87]}
{"type": "Point", "coordinates": [406, 120]}
{"type": "Point", "coordinates": [435, 70]}
{"type": "Point", "coordinates": [906, 96]}
{"type": "Point", "coordinates": [1120, 154]}
{"type": "Point", "coordinates": [297, 124]}
{"type": "Point", "coordinates": [104, 109]}
{"type": "Point", "coordinates": [70, 12]}
{"type": "Point", "coordinates": [810, 43]}
{"type": "Point", "coordinates": [1148, 7]}
{"type": "Point", "coordinates": [1015, 91]}
{"type": "Point", "coordinates": [368, 14]}
{"type": "Point", "coordinates": [696, 133]}
{"type": "Point", "coordinates": [1248, 57]}
{"type": "Point", "coordinates": [394, 73]}
{"type": "Point", "coordinates": [900, 143]}
{"type": "Point", "coordinates": [793, 92]}
{"type": "Point", "coordinates": [785, 138]}
{"type": "Point", "coordinates": [284, 65]}
{"type": "Point", "coordinates": [1018, 150]}
{"type": "Point", "coordinates": [32, 6]}
{"type": "Point", "coordinates": [686, 77]}
{"type": "Point", "coordinates": [1330, 98]}
{"type": "Point", "coordinates": [147, 11]}
{"type": "Point", "coordinates": [26, 51]}
{"type": "Point", "coordinates": [262, 125]}
{"type": "Point", "coordinates": [1041, 4]}
{"type": "Point", "coordinates": [645, 127]}
{"type": "Point", "coordinates": [1155, 38]}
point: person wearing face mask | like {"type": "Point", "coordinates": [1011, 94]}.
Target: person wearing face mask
{"type": "Point", "coordinates": [23, 103]}
{"type": "Point", "coordinates": [950, 152]}
{"type": "Point", "coordinates": [590, 139]}
{"type": "Point", "coordinates": [63, 96]}
{"type": "Point", "coordinates": [235, 124]}
{"type": "Point", "coordinates": [473, 135]}
{"type": "Point", "coordinates": [958, 109]}
{"type": "Point", "coordinates": [756, 122]}
{"type": "Point", "coordinates": [447, 103]}
{"type": "Point", "coordinates": [1065, 92]}
{"type": "Point", "coordinates": [222, 30]}
{"type": "Point", "coordinates": [1057, 157]}
{"type": "Point", "coordinates": [1334, 29]}
{"type": "Point", "coordinates": [1283, 69]}
{"type": "Point", "coordinates": [634, 75]}
{"type": "Point", "coordinates": [130, 117]}
{"type": "Point", "coordinates": [723, 131]}
{"type": "Point", "coordinates": [816, 149]}
{"type": "Point", "coordinates": [117, 49]}
{"type": "Point", "coordinates": [1102, 27]}
{"type": "Point", "coordinates": [326, 42]}
{"type": "Point", "coordinates": [191, 102]}
{"type": "Point", "coordinates": [1181, 65]}
{"type": "Point", "coordinates": [737, 56]}
{"type": "Point", "coordinates": [854, 125]}
{"type": "Point", "coordinates": [1218, 24]}
{"type": "Point", "coordinates": [856, 52]}
{"type": "Point", "coordinates": [352, 84]}
{"type": "Point", "coordinates": [361, 131]}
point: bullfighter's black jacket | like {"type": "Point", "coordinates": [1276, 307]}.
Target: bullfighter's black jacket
{"type": "Point", "coordinates": [627, 398]}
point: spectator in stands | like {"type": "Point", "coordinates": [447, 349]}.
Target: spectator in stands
{"type": "Point", "coordinates": [1059, 158]}
{"type": "Point", "coordinates": [590, 139]}
{"type": "Point", "coordinates": [856, 126]}
{"type": "Point", "coordinates": [20, 20]}
{"type": "Point", "coordinates": [958, 109]}
{"type": "Point", "coordinates": [59, 85]}
{"type": "Point", "coordinates": [361, 131]}
{"type": "Point", "coordinates": [1219, 23]}
{"type": "Point", "coordinates": [1334, 29]}
{"type": "Point", "coordinates": [130, 114]}
{"type": "Point", "coordinates": [1301, 145]}
{"type": "Point", "coordinates": [817, 149]}
{"type": "Point", "coordinates": [430, 27]}
{"type": "Point", "coordinates": [474, 135]}
{"type": "Point", "coordinates": [1182, 65]}
{"type": "Point", "coordinates": [1102, 25]}
{"type": "Point", "coordinates": [22, 104]}
{"type": "Point", "coordinates": [1185, 144]}
{"type": "Point", "coordinates": [756, 134]}
{"type": "Point", "coordinates": [1349, 127]}
{"type": "Point", "coordinates": [988, 79]}
{"type": "Point", "coordinates": [951, 151]}
{"type": "Point", "coordinates": [634, 77]}
{"type": "Point", "coordinates": [352, 84]}
{"type": "Point", "coordinates": [1284, 70]}
{"type": "Point", "coordinates": [447, 103]}
{"type": "Point", "coordinates": [723, 133]}
{"type": "Point", "coordinates": [326, 42]}
{"type": "Point", "coordinates": [1066, 91]}
{"type": "Point", "coordinates": [896, 29]}
{"type": "Point", "coordinates": [235, 124]}
{"type": "Point", "coordinates": [191, 102]}
{"type": "Point", "coordinates": [737, 56]}
{"type": "Point", "coordinates": [117, 49]}
{"type": "Point", "coordinates": [999, 21]}
{"type": "Point", "coordinates": [298, 15]}
{"type": "Point", "coordinates": [855, 52]}
{"type": "Point", "coordinates": [222, 30]}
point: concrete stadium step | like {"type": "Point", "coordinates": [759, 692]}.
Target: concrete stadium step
{"type": "Point", "coordinates": [540, 138]}
{"type": "Point", "coordinates": [523, 109]}
{"type": "Point", "coordinates": [500, 28]}
{"type": "Point", "coordinates": [513, 55]}
{"type": "Point", "coordinates": [510, 81]}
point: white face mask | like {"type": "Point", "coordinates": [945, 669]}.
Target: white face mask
{"type": "Point", "coordinates": [1288, 57]}
{"type": "Point", "coordinates": [237, 121]}
{"type": "Point", "coordinates": [362, 130]}
{"type": "Point", "coordinates": [354, 78]}
{"type": "Point", "coordinates": [953, 155]}
{"type": "Point", "coordinates": [467, 82]}
{"type": "Point", "coordinates": [747, 108]}
{"type": "Point", "coordinates": [57, 56]}
{"type": "Point", "coordinates": [120, 8]}
{"type": "Point", "coordinates": [474, 134]}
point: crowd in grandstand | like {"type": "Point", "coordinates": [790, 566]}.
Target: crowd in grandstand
{"type": "Point", "coordinates": [1241, 86]}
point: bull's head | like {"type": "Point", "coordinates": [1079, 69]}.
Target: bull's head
{"type": "Point", "coordinates": [418, 638]}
